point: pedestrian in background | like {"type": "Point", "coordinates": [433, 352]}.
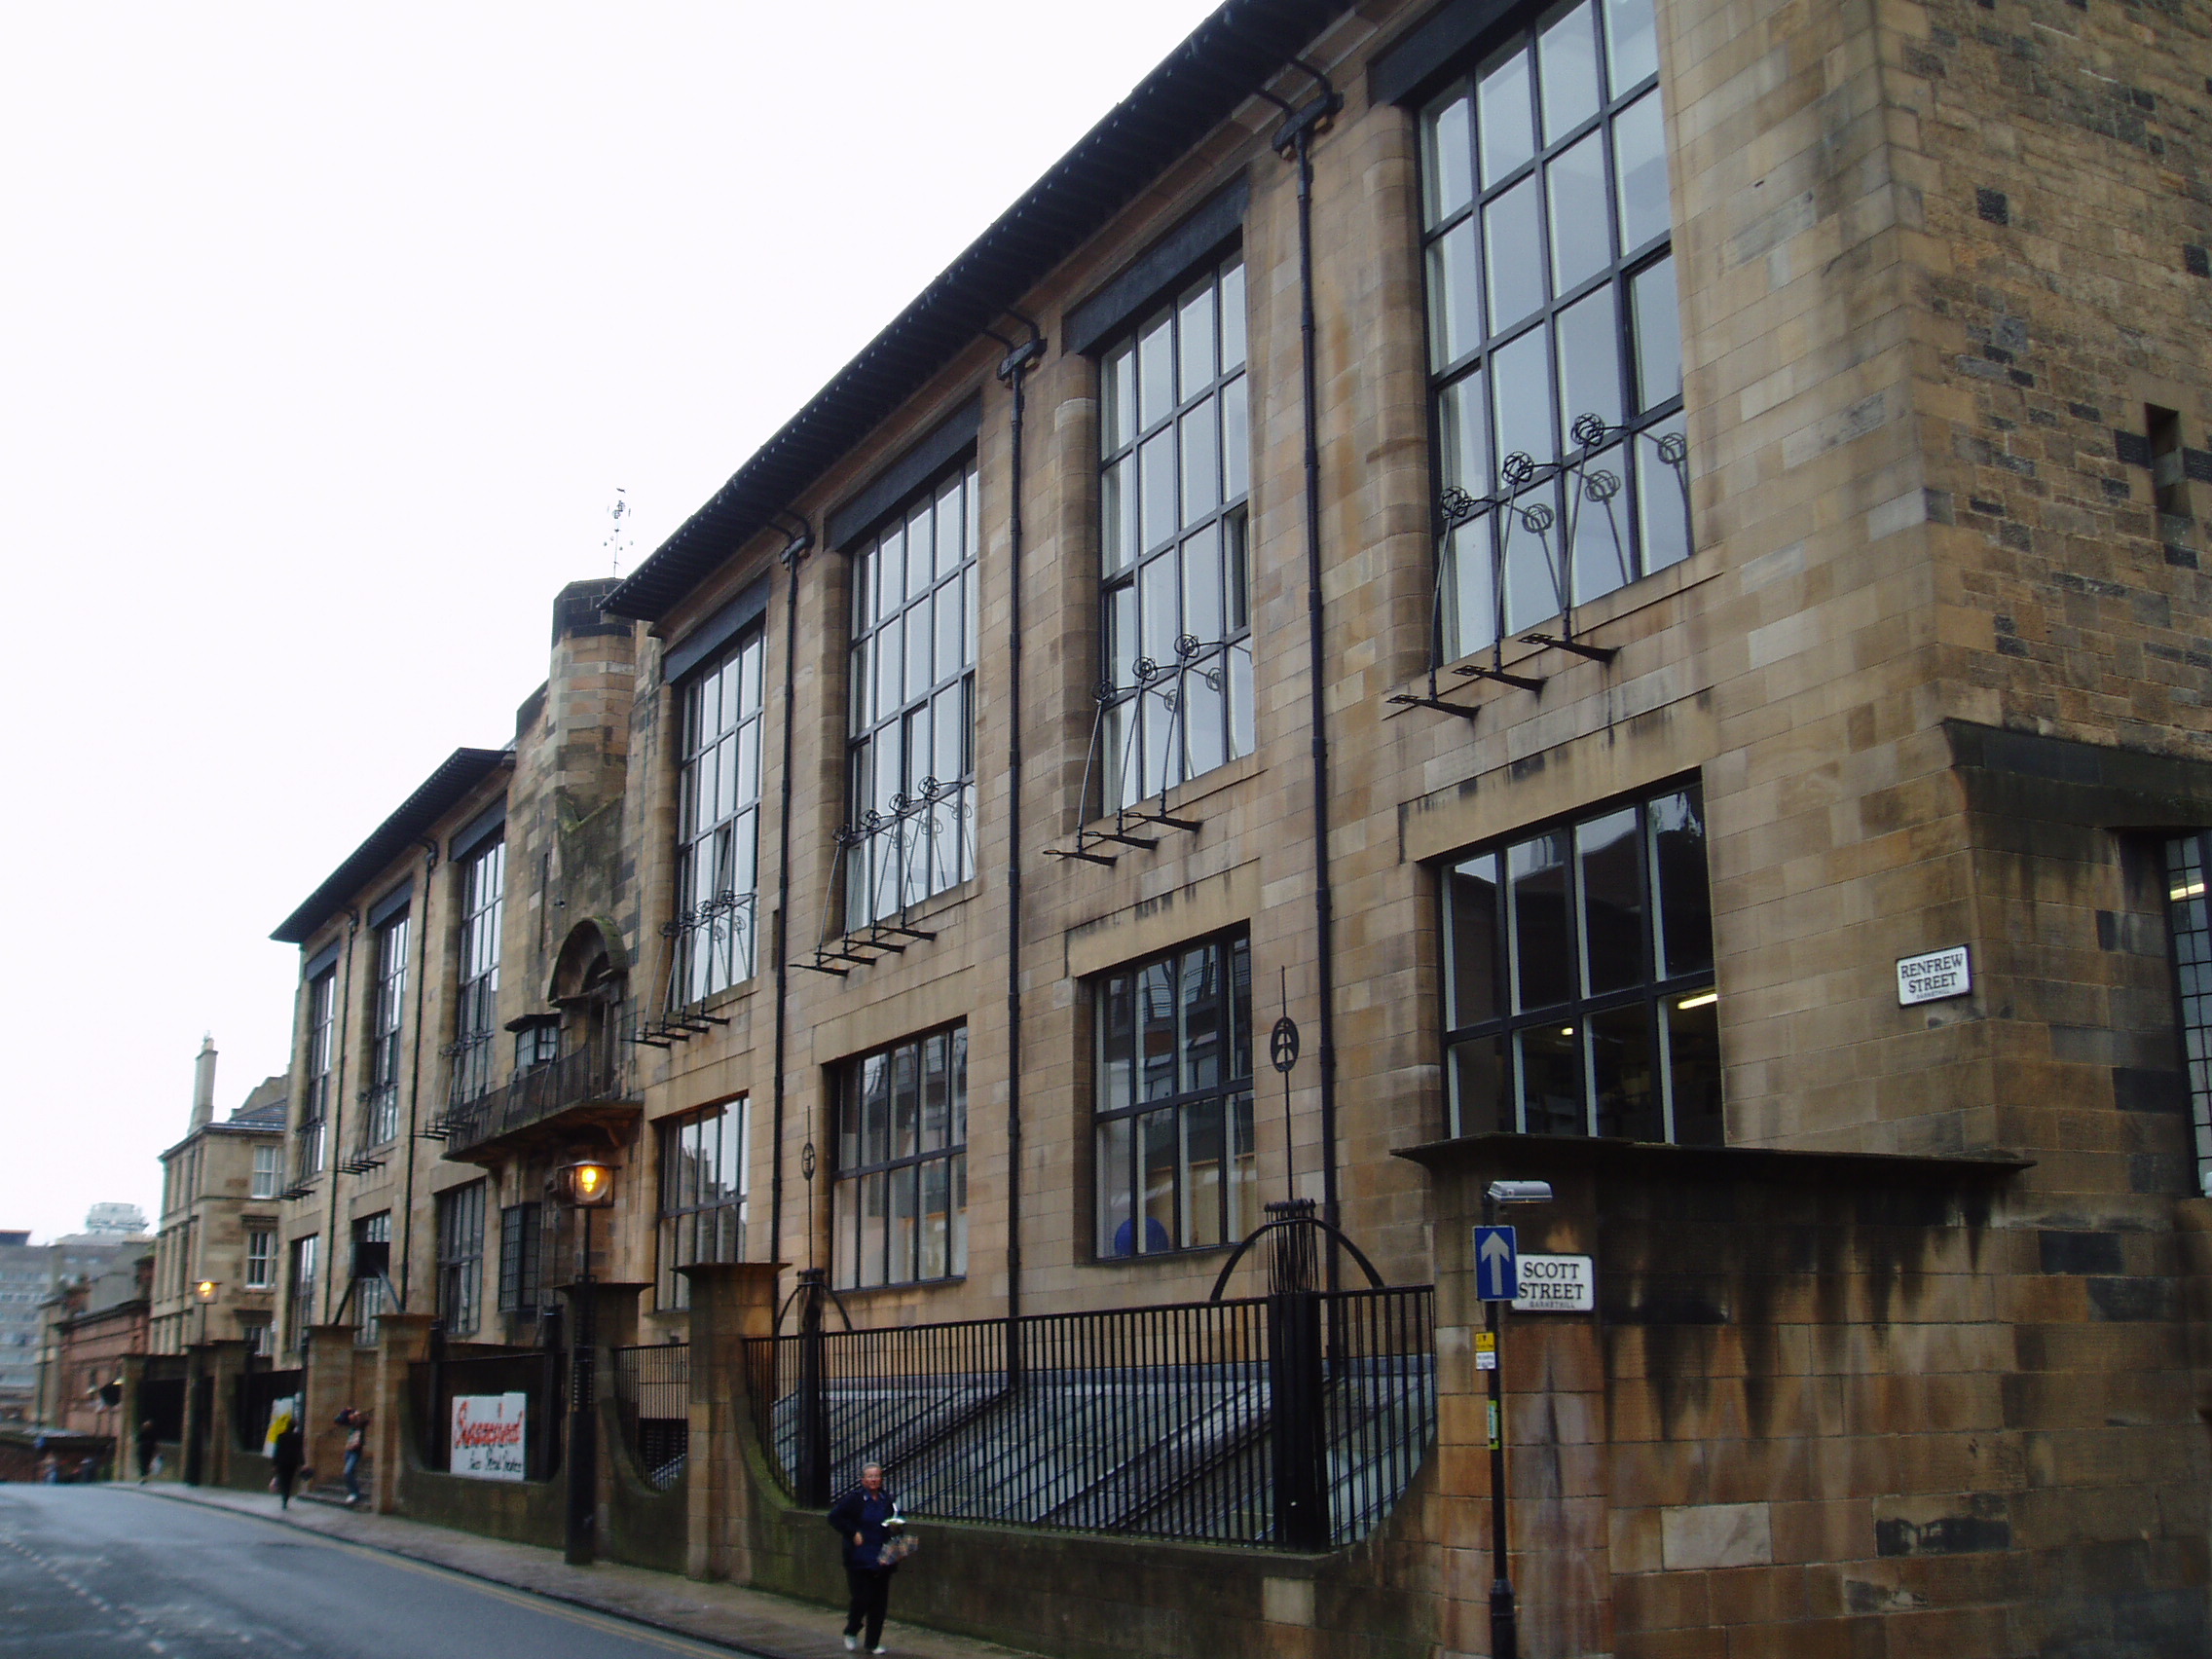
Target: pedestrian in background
{"type": "Point", "coordinates": [356, 1427]}
{"type": "Point", "coordinates": [863, 1520]}
{"type": "Point", "coordinates": [287, 1451]}
{"type": "Point", "coordinates": [148, 1451]}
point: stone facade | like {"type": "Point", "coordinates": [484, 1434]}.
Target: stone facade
{"type": "Point", "coordinates": [1912, 1360]}
{"type": "Point", "coordinates": [219, 1188]}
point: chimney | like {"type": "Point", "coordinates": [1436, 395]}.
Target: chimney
{"type": "Point", "coordinates": [204, 1084]}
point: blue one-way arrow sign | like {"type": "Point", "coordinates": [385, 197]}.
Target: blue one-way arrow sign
{"type": "Point", "coordinates": [1497, 1264]}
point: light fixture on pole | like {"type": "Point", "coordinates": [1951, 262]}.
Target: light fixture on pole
{"type": "Point", "coordinates": [1497, 1280]}
{"type": "Point", "coordinates": [205, 1293]}
{"type": "Point", "coordinates": [586, 1185]}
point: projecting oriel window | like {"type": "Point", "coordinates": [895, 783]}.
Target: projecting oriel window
{"type": "Point", "coordinates": [1175, 459]}
{"type": "Point", "coordinates": [898, 1208]}
{"type": "Point", "coordinates": [386, 1018]}
{"type": "Point", "coordinates": [314, 1106]}
{"type": "Point", "coordinates": [1578, 980]}
{"type": "Point", "coordinates": [702, 1186]}
{"type": "Point", "coordinates": [482, 904]}
{"type": "Point", "coordinates": [911, 765]}
{"type": "Point", "coordinates": [719, 823]}
{"type": "Point", "coordinates": [1552, 303]}
{"type": "Point", "coordinates": [2188, 859]}
{"type": "Point", "coordinates": [1175, 1159]}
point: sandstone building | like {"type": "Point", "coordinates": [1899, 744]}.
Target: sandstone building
{"type": "Point", "coordinates": [1653, 613]}
{"type": "Point", "coordinates": [219, 1222]}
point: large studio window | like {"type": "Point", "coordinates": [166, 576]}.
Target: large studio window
{"type": "Point", "coordinates": [2188, 859]}
{"type": "Point", "coordinates": [911, 759]}
{"type": "Point", "coordinates": [703, 1184]}
{"type": "Point", "coordinates": [1578, 980]}
{"type": "Point", "coordinates": [719, 823]}
{"type": "Point", "coordinates": [461, 1258]}
{"type": "Point", "coordinates": [1176, 1167]}
{"type": "Point", "coordinates": [1175, 460]}
{"type": "Point", "coordinates": [387, 1018]}
{"type": "Point", "coordinates": [322, 1056]}
{"type": "Point", "coordinates": [899, 1200]}
{"type": "Point", "coordinates": [1555, 339]}
{"type": "Point", "coordinates": [482, 903]}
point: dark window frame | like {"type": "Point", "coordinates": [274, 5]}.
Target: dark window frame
{"type": "Point", "coordinates": [1159, 679]}
{"type": "Point", "coordinates": [388, 1019]}
{"type": "Point", "coordinates": [693, 1225]}
{"type": "Point", "coordinates": [872, 1168]}
{"type": "Point", "coordinates": [320, 1068]}
{"type": "Point", "coordinates": [461, 1258]}
{"type": "Point", "coordinates": [716, 940]}
{"type": "Point", "coordinates": [483, 895]}
{"type": "Point", "coordinates": [895, 824]}
{"type": "Point", "coordinates": [368, 1293]}
{"type": "Point", "coordinates": [1507, 550]}
{"type": "Point", "coordinates": [1129, 1114]}
{"type": "Point", "coordinates": [1513, 1044]}
{"type": "Point", "coordinates": [2187, 859]}
{"type": "Point", "coordinates": [522, 1259]}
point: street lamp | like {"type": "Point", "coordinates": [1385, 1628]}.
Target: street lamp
{"type": "Point", "coordinates": [586, 1185]}
{"type": "Point", "coordinates": [1505, 1626]}
{"type": "Point", "coordinates": [203, 1293]}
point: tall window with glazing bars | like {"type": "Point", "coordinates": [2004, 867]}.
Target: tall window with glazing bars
{"type": "Point", "coordinates": [381, 1123]}
{"type": "Point", "coordinates": [482, 903]}
{"type": "Point", "coordinates": [1176, 1163]}
{"type": "Point", "coordinates": [719, 823]}
{"type": "Point", "coordinates": [898, 1198]}
{"type": "Point", "coordinates": [913, 691]}
{"type": "Point", "coordinates": [1555, 340]}
{"type": "Point", "coordinates": [1175, 459]}
{"type": "Point", "coordinates": [1578, 979]}
{"type": "Point", "coordinates": [321, 1057]}
{"type": "Point", "coordinates": [2189, 918]}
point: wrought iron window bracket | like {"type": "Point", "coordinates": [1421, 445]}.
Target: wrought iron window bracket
{"type": "Point", "coordinates": [1148, 674]}
{"type": "Point", "coordinates": [678, 1022]}
{"type": "Point", "coordinates": [879, 934]}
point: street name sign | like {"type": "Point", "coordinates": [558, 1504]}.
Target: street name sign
{"type": "Point", "coordinates": [1497, 1273]}
{"type": "Point", "coordinates": [1933, 975]}
{"type": "Point", "coordinates": [1556, 1284]}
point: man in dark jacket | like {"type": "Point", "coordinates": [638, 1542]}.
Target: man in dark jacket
{"type": "Point", "coordinates": [861, 1520]}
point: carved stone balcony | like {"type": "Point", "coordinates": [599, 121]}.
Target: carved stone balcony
{"type": "Point", "coordinates": [587, 1089]}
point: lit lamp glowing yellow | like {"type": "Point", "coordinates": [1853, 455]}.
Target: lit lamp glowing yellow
{"type": "Point", "coordinates": [586, 1183]}
{"type": "Point", "coordinates": [204, 1290]}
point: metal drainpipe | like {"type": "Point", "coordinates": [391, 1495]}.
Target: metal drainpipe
{"type": "Point", "coordinates": [421, 926]}
{"type": "Point", "coordinates": [793, 554]}
{"type": "Point", "coordinates": [1294, 142]}
{"type": "Point", "coordinates": [335, 1121]}
{"type": "Point", "coordinates": [1013, 370]}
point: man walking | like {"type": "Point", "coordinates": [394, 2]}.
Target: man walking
{"type": "Point", "coordinates": [356, 1427]}
{"type": "Point", "coordinates": [149, 1450]}
{"type": "Point", "coordinates": [863, 1520]}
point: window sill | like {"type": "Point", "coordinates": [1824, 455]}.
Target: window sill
{"type": "Point", "coordinates": [1184, 795]}
{"type": "Point", "coordinates": [901, 1285]}
{"type": "Point", "coordinates": [1150, 1257]}
{"type": "Point", "coordinates": [1698, 569]}
{"type": "Point", "coordinates": [928, 909]}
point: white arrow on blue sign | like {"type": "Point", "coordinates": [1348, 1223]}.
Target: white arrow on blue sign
{"type": "Point", "coordinates": [1497, 1264]}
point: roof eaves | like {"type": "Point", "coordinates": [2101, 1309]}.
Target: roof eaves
{"type": "Point", "coordinates": [436, 796]}
{"type": "Point", "coordinates": [1198, 86]}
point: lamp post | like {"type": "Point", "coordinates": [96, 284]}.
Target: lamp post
{"type": "Point", "coordinates": [586, 1186]}
{"type": "Point", "coordinates": [1504, 1621]}
{"type": "Point", "coordinates": [204, 1292]}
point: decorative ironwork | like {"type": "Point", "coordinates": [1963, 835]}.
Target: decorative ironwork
{"type": "Point", "coordinates": [912, 830]}
{"type": "Point", "coordinates": [681, 1019]}
{"type": "Point", "coordinates": [594, 1075]}
{"type": "Point", "coordinates": [1521, 475]}
{"type": "Point", "coordinates": [1164, 682]}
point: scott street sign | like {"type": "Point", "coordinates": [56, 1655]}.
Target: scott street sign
{"type": "Point", "coordinates": [1556, 1284]}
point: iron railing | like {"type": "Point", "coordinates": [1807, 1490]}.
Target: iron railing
{"type": "Point", "coordinates": [652, 1397]}
{"type": "Point", "coordinates": [1202, 1421]}
{"type": "Point", "coordinates": [537, 1373]}
{"type": "Point", "coordinates": [594, 1074]}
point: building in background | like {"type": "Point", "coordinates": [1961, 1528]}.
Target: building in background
{"type": "Point", "coordinates": [32, 1274]}
{"type": "Point", "coordinates": [220, 1217]}
{"type": "Point", "coordinates": [94, 1329]}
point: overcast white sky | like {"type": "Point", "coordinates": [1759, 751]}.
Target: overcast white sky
{"type": "Point", "coordinates": [326, 336]}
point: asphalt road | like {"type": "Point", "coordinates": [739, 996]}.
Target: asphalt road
{"type": "Point", "coordinates": [107, 1573]}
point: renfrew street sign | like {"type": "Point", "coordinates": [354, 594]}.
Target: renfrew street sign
{"type": "Point", "coordinates": [1497, 1264]}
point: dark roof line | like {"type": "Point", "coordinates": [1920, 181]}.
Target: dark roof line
{"type": "Point", "coordinates": [436, 796]}
{"type": "Point", "coordinates": [1224, 61]}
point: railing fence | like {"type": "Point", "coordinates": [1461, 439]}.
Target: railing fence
{"type": "Point", "coordinates": [1296, 1419]}
{"type": "Point", "coordinates": [652, 1397]}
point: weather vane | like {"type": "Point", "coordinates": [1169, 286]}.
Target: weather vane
{"type": "Point", "coordinates": [617, 542]}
